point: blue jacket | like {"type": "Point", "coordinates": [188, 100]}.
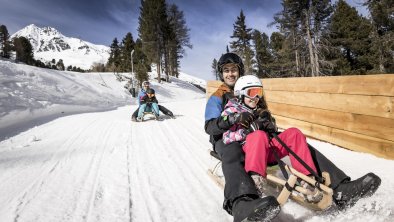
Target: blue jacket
{"type": "Point", "coordinates": [215, 124]}
{"type": "Point", "coordinates": [141, 95]}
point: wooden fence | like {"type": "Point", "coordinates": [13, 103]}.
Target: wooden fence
{"type": "Point", "coordinates": [354, 112]}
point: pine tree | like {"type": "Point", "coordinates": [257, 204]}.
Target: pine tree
{"type": "Point", "coordinates": [5, 43]}
{"type": "Point", "coordinates": [283, 64]}
{"type": "Point", "coordinates": [152, 20]}
{"type": "Point", "coordinates": [289, 58]}
{"type": "Point", "coordinates": [382, 18]}
{"type": "Point", "coordinates": [60, 65]}
{"type": "Point", "coordinates": [214, 69]}
{"type": "Point", "coordinates": [302, 22]}
{"type": "Point", "coordinates": [178, 39]}
{"type": "Point", "coordinates": [24, 50]}
{"type": "Point", "coordinates": [263, 54]}
{"type": "Point", "coordinates": [241, 45]}
{"type": "Point", "coordinates": [114, 56]}
{"type": "Point", "coordinates": [349, 34]}
{"type": "Point", "coordinates": [141, 63]}
{"type": "Point", "coordinates": [125, 52]}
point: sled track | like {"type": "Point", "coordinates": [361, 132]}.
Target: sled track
{"type": "Point", "coordinates": [33, 190]}
{"type": "Point", "coordinates": [96, 173]}
{"type": "Point", "coordinates": [163, 166]}
{"type": "Point", "coordinates": [128, 150]}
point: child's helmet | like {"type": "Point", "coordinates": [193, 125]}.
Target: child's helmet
{"type": "Point", "coordinates": [228, 58]}
{"type": "Point", "coordinates": [245, 82]}
{"type": "Point", "coordinates": [150, 91]}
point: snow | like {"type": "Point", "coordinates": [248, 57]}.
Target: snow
{"type": "Point", "coordinates": [86, 161]}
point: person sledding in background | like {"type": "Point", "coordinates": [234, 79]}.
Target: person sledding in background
{"type": "Point", "coordinates": [241, 198]}
{"type": "Point", "coordinates": [257, 146]}
{"type": "Point", "coordinates": [148, 103]}
{"type": "Point", "coordinates": [145, 86]}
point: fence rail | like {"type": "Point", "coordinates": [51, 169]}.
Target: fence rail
{"type": "Point", "coordinates": [354, 112]}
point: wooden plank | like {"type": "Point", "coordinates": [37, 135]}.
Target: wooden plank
{"type": "Point", "coordinates": [349, 140]}
{"type": "Point", "coordinates": [378, 127]}
{"type": "Point", "coordinates": [378, 85]}
{"type": "Point", "coordinates": [380, 106]}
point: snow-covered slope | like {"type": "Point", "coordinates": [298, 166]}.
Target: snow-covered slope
{"type": "Point", "coordinates": [48, 43]}
{"type": "Point", "coordinates": [34, 95]}
{"type": "Point", "coordinates": [100, 166]}
{"type": "Point", "coordinates": [193, 80]}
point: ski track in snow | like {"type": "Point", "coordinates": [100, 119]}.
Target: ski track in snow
{"type": "Point", "coordinates": [168, 172]}
{"type": "Point", "coordinates": [103, 167]}
{"type": "Point", "coordinates": [108, 168]}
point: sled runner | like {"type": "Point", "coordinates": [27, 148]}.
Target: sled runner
{"type": "Point", "coordinates": [284, 189]}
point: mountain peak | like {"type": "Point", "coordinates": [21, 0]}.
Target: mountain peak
{"type": "Point", "coordinates": [34, 31]}
{"type": "Point", "coordinates": [48, 43]}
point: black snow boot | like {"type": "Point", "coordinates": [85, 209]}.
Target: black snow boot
{"type": "Point", "coordinates": [247, 209]}
{"type": "Point", "coordinates": [170, 114]}
{"type": "Point", "coordinates": [349, 192]}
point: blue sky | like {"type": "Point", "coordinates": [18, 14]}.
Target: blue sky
{"type": "Point", "coordinates": [100, 21]}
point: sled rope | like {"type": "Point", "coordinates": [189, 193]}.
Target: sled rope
{"type": "Point", "coordinates": [317, 177]}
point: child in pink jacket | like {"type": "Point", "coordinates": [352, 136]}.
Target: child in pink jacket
{"type": "Point", "coordinates": [257, 145]}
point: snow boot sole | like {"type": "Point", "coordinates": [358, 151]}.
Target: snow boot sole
{"type": "Point", "coordinates": [367, 191]}
{"type": "Point", "coordinates": [264, 213]}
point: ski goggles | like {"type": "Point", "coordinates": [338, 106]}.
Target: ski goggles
{"type": "Point", "coordinates": [253, 92]}
{"type": "Point", "coordinates": [150, 94]}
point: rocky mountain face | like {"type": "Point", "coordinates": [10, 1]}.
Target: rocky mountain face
{"type": "Point", "coordinates": [48, 43]}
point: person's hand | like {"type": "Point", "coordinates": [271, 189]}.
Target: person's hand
{"type": "Point", "coordinates": [262, 113]}
{"type": "Point", "coordinates": [244, 119]}
{"type": "Point", "coordinates": [258, 124]}
{"type": "Point", "coordinates": [269, 126]}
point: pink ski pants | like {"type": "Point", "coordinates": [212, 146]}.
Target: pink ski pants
{"type": "Point", "coordinates": [258, 151]}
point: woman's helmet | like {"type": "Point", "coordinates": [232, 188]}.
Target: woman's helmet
{"type": "Point", "coordinates": [249, 86]}
{"type": "Point", "coordinates": [150, 91]}
{"type": "Point", "coordinates": [228, 58]}
{"type": "Point", "coordinates": [145, 83]}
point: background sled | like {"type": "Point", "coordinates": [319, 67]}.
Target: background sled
{"type": "Point", "coordinates": [148, 116]}
{"type": "Point", "coordinates": [284, 189]}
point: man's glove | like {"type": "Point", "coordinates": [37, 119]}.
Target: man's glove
{"type": "Point", "coordinates": [262, 113]}
{"type": "Point", "coordinates": [243, 119]}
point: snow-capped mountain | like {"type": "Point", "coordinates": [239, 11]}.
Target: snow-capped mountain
{"type": "Point", "coordinates": [48, 43]}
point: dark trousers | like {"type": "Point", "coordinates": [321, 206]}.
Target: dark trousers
{"type": "Point", "coordinates": [239, 183]}
{"type": "Point", "coordinates": [323, 164]}
{"type": "Point", "coordinates": [161, 108]}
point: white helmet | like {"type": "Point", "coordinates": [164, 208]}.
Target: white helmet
{"type": "Point", "coordinates": [245, 82]}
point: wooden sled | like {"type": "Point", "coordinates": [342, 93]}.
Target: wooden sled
{"type": "Point", "coordinates": [292, 190]}
{"type": "Point", "coordinates": [151, 115]}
